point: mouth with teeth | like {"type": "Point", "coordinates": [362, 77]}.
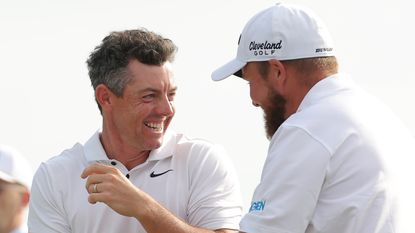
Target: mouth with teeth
{"type": "Point", "coordinates": [157, 127]}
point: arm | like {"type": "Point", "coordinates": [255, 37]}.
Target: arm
{"type": "Point", "coordinates": [122, 196]}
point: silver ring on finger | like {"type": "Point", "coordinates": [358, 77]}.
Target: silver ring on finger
{"type": "Point", "coordinates": [94, 188]}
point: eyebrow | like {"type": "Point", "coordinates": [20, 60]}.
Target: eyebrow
{"type": "Point", "coordinates": [174, 89]}
{"type": "Point", "coordinates": [150, 89]}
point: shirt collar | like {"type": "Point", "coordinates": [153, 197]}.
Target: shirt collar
{"type": "Point", "coordinates": [94, 151]}
{"type": "Point", "coordinates": [166, 149]}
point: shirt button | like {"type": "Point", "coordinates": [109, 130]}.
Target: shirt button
{"type": "Point", "coordinates": [128, 176]}
{"type": "Point", "coordinates": [113, 163]}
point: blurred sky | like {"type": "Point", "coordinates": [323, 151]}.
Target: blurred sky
{"type": "Point", "coordinates": [47, 103]}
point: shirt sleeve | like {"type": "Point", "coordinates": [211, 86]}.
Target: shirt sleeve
{"type": "Point", "coordinates": [215, 201]}
{"type": "Point", "coordinates": [46, 213]}
{"type": "Point", "coordinates": [291, 181]}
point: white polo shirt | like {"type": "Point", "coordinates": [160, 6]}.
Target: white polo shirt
{"type": "Point", "coordinates": [192, 178]}
{"type": "Point", "coordinates": [330, 166]}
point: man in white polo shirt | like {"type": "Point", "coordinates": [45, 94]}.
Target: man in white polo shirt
{"type": "Point", "coordinates": [135, 160]}
{"type": "Point", "coordinates": [337, 157]}
{"type": "Point", "coordinates": [15, 181]}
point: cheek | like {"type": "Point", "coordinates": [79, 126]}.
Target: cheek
{"type": "Point", "coordinates": [257, 93]}
{"type": "Point", "coordinates": [8, 201]}
{"type": "Point", "coordinates": [173, 106]}
{"type": "Point", "coordinates": [252, 92]}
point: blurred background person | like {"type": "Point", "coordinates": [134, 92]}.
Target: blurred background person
{"type": "Point", "coordinates": [15, 181]}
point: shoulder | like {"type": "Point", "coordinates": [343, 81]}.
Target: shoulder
{"type": "Point", "coordinates": [67, 157]}
{"type": "Point", "coordinates": [56, 176]}
{"type": "Point", "coordinates": [330, 121]}
{"type": "Point", "coordinates": [198, 147]}
{"type": "Point", "coordinates": [200, 152]}
{"type": "Point", "coordinates": [62, 166]}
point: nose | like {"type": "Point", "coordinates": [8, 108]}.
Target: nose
{"type": "Point", "coordinates": [255, 103]}
{"type": "Point", "coordinates": [166, 107]}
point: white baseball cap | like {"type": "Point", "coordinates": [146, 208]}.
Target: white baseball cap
{"type": "Point", "coordinates": [14, 168]}
{"type": "Point", "coordinates": [282, 32]}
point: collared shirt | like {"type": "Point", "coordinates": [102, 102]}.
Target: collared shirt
{"type": "Point", "coordinates": [191, 178]}
{"type": "Point", "coordinates": [330, 166]}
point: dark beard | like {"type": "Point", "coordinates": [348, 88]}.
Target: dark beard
{"type": "Point", "coordinates": [274, 113]}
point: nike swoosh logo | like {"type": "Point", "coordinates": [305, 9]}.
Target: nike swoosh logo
{"type": "Point", "coordinates": [152, 175]}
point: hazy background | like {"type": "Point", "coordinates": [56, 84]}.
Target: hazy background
{"type": "Point", "coordinates": [47, 103]}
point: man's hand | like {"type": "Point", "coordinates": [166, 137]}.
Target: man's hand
{"type": "Point", "coordinates": [113, 189]}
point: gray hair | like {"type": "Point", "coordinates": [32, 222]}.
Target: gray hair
{"type": "Point", "coordinates": [107, 64]}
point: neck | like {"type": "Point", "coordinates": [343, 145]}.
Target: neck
{"type": "Point", "coordinates": [116, 149]}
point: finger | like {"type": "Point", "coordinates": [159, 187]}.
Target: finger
{"type": "Point", "coordinates": [93, 188]}
{"type": "Point", "coordinates": [104, 180]}
{"type": "Point", "coordinates": [96, 179]}
{"type": "Point", "coordinates": [97, 168]}
{"type": "Point", "coordinates": [100, 196]}
{"type": "Point", "coordinates": [93, 197]}
{"type": "Point", "coordinates": [96, 188]}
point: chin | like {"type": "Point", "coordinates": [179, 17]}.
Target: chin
{"type": "Point", "coordinates": [154, 144]}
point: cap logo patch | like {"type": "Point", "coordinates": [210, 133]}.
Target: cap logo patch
{"type": "Point", "coordinates": [321, 50]}
{"type": "Point", "coordinates": [264, 48]}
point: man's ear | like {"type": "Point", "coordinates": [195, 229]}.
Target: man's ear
{"type": "Point", "coordinates": [103, 95]}
{"type": "Point", "coordinates": [25, 198]}
{"type": "Point", "coordinates": [278, 74]}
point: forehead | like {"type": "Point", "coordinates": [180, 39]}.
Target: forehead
{"type": "Point", "coordinates": [151, 75]}
{"type": "Point", "coordinates": [249, 71]}
{"type": "Point", "coordinates": [3, 182]}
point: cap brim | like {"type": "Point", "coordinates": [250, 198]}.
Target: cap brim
{"type": "Point", "coordinates": [7, 178]}
{"type": "Point", "coordinates": [231, 68]}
